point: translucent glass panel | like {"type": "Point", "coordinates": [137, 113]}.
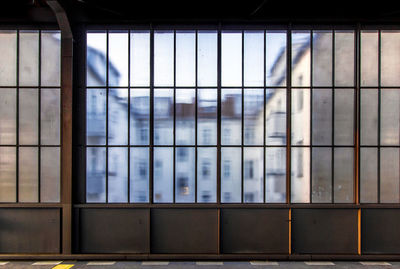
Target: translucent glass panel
{"type": "Point", "coordinates": [344, 58]}
{"type": "Point", "coordinates": [207, 105]}
{"type": "Point", "coordinates": [164, 58]}
{"type": "Point", "coordinates": [28, 58]}
{"type": "Point", "coordinates": [253, 58]}
{"type": "Point", "coordinates": [301, 58]}
{"type": "Point", "coordinates": [206, 175]}
{"type": "Point", "coordinates": [231, 57]}
{"type": "Point", "coordinates": [275, 175]}
{"type": "Point", "coordinates": [343, 179]}
{"type": "Point", "coordinates": [321, 175]}
{"type": "Point", "coordinates": [344, 117]}
{"type": "Point", "coordinates": [253, 175]}
{"type": "Point", "coordinates": [8, 125]}
{"type": "Point", "coordinates": [300, 175]}
{"type": "Point", "coordinates": [139, 116]}
{"type": "Point", "coordinates": [163, 116]}
{"type": "Point", "coordinates": [231, 118]}
{"type": "Point", "coordinates": [50, 58]}
{"type": "Point", "coordinates": [185, 58]}
{"type": "Point", "coordinates": [369, 58]}
{"type": "Point", "coordinates": [389, 175]}
{"type": "Point", "coordinates": [8, 64]}
{"type": "Point", "coordinates": [139, 175]}
{"type": "Point", "coordinates": [50, 112]}
{"type": "Point", "coordinates": [118, 116]}
{"type": "Point", "coordinates": [163, 184]}
{"type": "Point", "coordinates": [185, 175]}
{"type": "Point", "coordinates": [231, 175]}
{"type": "Point", "coordinates": [390, 117]}
{"type": "Point", "coordinates": [28, 175]}
{"type": "Point", "coordinates": [253, 116]}
{"type": "Point", "coordinates": [118, 58]}
{"type": "Point", "coordinates": [117, 175]}
{"type": "Point", "coordinates": [140, 58]}
{"type": "Point", "coordinates": [322, 58]}
{"type": "Point", "coordinates": [301, 108]}
{"type": "Point", "coordinates": [369, 116]}
{"type": "Point", "coordinates": [322, 116]}
{"type": "Point", "coordinates": [96, 116]}
{"type": "Point", "coordinates": [275, 58]}
{"type": "Point", "coordinates": [275, 116]}
{"type": "Point", "coordinates": [368, 175]}
{"type": "Point", "coordinates": [50, 175]}
{"type": "Point", "coordinates": [390, 58]}
{"type": "Point", "coordinates": [28, 116]}
{"type": "Point", "coordinates": [96, 59]}
{"type": "Point", "coordinates": [95, 175]}
{"type": "Point", "coordinates": [7, 174]}
{"type": "Point", "coordinates": [185, 116]}
{"type": "Point", "coordinates": [207, 58]}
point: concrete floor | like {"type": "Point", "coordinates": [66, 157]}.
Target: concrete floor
{"type": "Point", "coordinates": [194, 265]}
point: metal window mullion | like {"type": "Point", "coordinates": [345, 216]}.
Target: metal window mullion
{"type": "Point", "coordinates": [174, 128]}
{"type": "Point", "coordinates": [357, 113]}
{"type": "Point", "coordinates": [195, 117]}
{"type": "Point", "coordinates": [333, 122]}
{"type": "Point", "coordinates": [242, 126]}
{"type": "Point", "coordinates": [107, 93]}
{"type": "Point", "coordinates": [379, 116]}
{"type": "Point", "coordinates": [17, 124]}
{"type": "Point", "coordinates": [151, 127]}
{"type": "Point", "coordinates": [129, 117]}
{"type": "Point", "coordinates": [311, 112]}
{"type": "Point", "coordinates": [288, 113]}
{"type": "Point", "coordinates": [219, 48]}
{"type": "Point", "coordinates": [264, 118]}
{"type": "Point", "coordinates": [39, 115]}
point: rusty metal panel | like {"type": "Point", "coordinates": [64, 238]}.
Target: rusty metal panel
{"type": "Point", "coordinates": [29, 230]}
{"type": "Point", "coordinates": [380, 231]}
{"type": "Point", "coordinates": [255, 231]}
{"type": "Point", "coordinates": [114, 230]}
{"type": "Point", "coordinates": [324, 231]}
{"type": "Point", "coordinates": [184, 231]}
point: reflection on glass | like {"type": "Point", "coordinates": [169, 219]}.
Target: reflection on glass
{"type": "Point", "coordinates": [7, 174]}
{"type": "Point", "coordinates": [231, 119]}
{"type": "Point", "coordinates": [344, 117]}
{"type": "Point", "coordinates": [343, 175]}
{"type": "Point", "coordinates": [28, 116]}
{"type": "Point", "coordinates": [231, 175]}
{"type": "Point", "coordinates": [163, 182]}
{"type": "Point", "coordinates": [344, 58]}
{"type": "Point", "coordinates": [369, 58]}
{"type": "Point", "coordinates": [368, 175]}
{"type": "Point", "coordinates": [185, 175]}
{"type": "Point", "coordinates": [96, 116]}
{"type": "Point", "coordinates": [390, 58]}
{"type": "Point", "coordinates": [253, 58]}
{"type": "Point", "coordinates": [253, 116]}
{"type": "Point", "coordinates": [206, 175]}
{"type": "Point", "coordinates": [50, 175]}
{"type": "Point", "coordinates": [322, 116]}
{"type": "Point", "coordinates": [207, 58]}
{"type": "Point", "coordinates": [140, 58]}
{"type": "Point", "coordinates": [28, 58]}
{"type": "Point", "coordinates": [275, 116]}
{"type": "Point", "coordinates": [390, 117]}
{"type": "Point", "coordinates": [8, 109]}
{"type": "Point", "coordinates": [389, 175]}
{"type": "Point", "coordinates": [140, 116]}
{"type": "Point", "coordinates": [96, 61]}
{"type": "Point", "coordinates": [300, 175]}
{"type": "Point", "coordinates": [207, 116]}
{"type": "Point", "coordinates": [139, 175]}
{"type": "Point", "coordinates": [301, 60]}
{"type": "Point", "coordinates": [275, 175]}
{"type": "Point", "coordinates": [118, 58]}
{"type": "Point", "coordinates": [322, 58]}
{"type": "Point", "coordinates": [163, 116]}
{"type": "Point", "coordinates": [231, 57]}
{"type": "Point", "coordinates": [275, 56]}
{"type": "Point", "coordinates": [369, 117]}
{"type": "Point", "coordinates": [301, 117]}
{"type": "Point", "coordinates": [321, 175]}
{"type": "Point", "coordinates": [95, 175]}
{"type": "Point", "coordinates": [118, 116]}
{"type": "Point", "coordinates": [8, 63]}
{"type": "Point", "coordinates": [185, 116]}
{"type": "Point", "coordinates": [118, 175]}
{"type": "Point", "coordinates": [28, 175]}
{"type": "Point", "coordinates": [50, 58]}
{"type": "Point", "coordinates": [163, 58]}
{"type": "Point", "coordinates": [185, 58]}
{"type": "Point", "coordinates": [50, 116]}
{"type": "Point", "coordinates": [253, 166]}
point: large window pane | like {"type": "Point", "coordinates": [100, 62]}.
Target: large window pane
{"type": "Point", "coordinates": [185, 116]}
{"type": "Point", "coordinates": [185, 175]}
{"type": "Point", "coordinates": [50, 58]}
{"type": "Point", "coordinates": [8, 116]}
{"type": "Point", "coordinates": [390, 58]}
{"type": "Point", "coordinates": [118, 116]}
{"type": "Point", "coordinates": [322, 116]}
{"type": "Point", "coordinates": [140, 117]}
{"type": "Point", "coordinates": [28, 175]}
{"type": "Point", "coordinates": [50, 116]}
{"type": "Point", "coordinates": [96, 59]}
{"type": "Point", "coordinates": [343, 175]}
{"type": "Point", "coordinates": [275, 117]}
{"type": "Point", "coordinates": [231, 175]}
{"type": "Point", "coordinates": [369, 117]}
{"type": "Point", "coordinates": [301, 117]}
{"type": "Point", "coordinates": [28, 116]}
{"type": "Point", "coordinates": [368, 175]}
{"type": "Point", "coordinates": [118, 175]}
{"type": "Point", "coordinates": [207, 116]}
{"type": "Point", "coordinates": [231, 57]}
{"type": "Point", "coordinates": [139, 175]}
{"type": "Point", "coordinates": [28, 58]}
{"type": "Point", "coordinates": [389, 175]}
{"type": "Point", "coordinates": [50, 175]}
{"type": "Point", "coordinates": [390, 117]}
{"type": "Point", "coordinates": [253, 166]}
{"type": "Point", "coordinates": [7, 174]}
{"type": "Point", "coordinates": [207, 44]}
{"type": "Point", "coordinates": [301, 60]}
{"type": "Point", "coordinates": [344, 58]}
{"type": "Point", "coordinates": [321, 175]}
{"type": "Point", "coordinates": [344, 117]}
{"type": "Point", "coordinates": [253, 58]}
{"type": "Point", "coordinates": [163, 173]}
{"type": "Point", "coordinates": [275, 175]}
{"type": "Point", "coordinates": [253, 116]}
{"type": "Point", "coordinates": [275, 57]}
{"type": "Point", "coordinates": [185, 58]}
{"type": "Point", "coordinates": [231, 119]}
{"type": "Point", "coordinates": [140, 58]}
{"type": "Point", "coordinates": [95, 175]}
{"type": "Point", "coordinates": [369, 58]}
{"type": "Point", "coordinates": [96, 116]}
{"type": "Point", "coordinates": [206, 175]}
{"type": "Point", "coordinates": [163, 116]}
{"type": "Point", "coordinates": [300, 175]}
{"type": "Point", "coordinates": [164, 58]}
{"type": "Point", "coordinates": [118, 59]}
{"type": "Point", "coordinates": [8, 63]}
{"type": "Point", "coordinates": [322, 58]}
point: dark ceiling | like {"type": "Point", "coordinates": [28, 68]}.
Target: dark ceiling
{"type": "Point", "coordinates": [204, 11]}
